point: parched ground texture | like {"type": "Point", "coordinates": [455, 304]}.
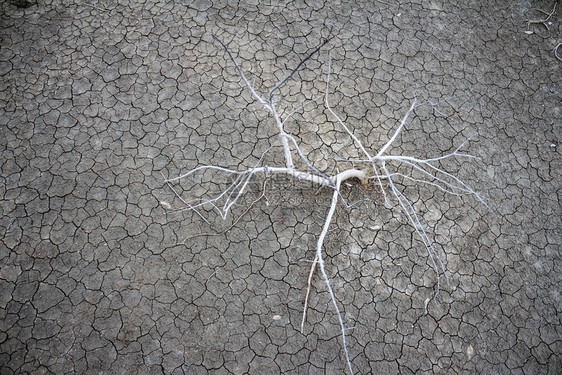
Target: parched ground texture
{"type": "Point", "coordinates": [101, 101]}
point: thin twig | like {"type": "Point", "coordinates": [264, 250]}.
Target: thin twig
{"type": "Point", "coordinates": [235, 222]}
{"type": "Point", "coordinates": [309, 285]}
{"type": "Point", "coordinates": [277, 86]}
{"type": "Point", "coordinates": [398, 130]}
{"type": "Point", "coordinates": [240, 72]}
{"type": "Point", "coordinates": [320, 260]}
{"type": "Point", "coordinates": [543, 21]}
{"type": "Point", "coordinates": [556, 51]}
{"type": "Point", "coordinates": [95, 7]}
{"type": "Point", "coordinates": [353, 137]}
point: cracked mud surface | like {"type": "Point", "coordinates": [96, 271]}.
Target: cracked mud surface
{"type": "Point", "coordinates": [100, 102]}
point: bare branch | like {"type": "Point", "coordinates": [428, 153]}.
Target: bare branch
{"type": "Point", "coordinates": [241, 73]}
{"type": "Point", "coordinates": [320, 260]}
{"type": "Point", "coordinates": [402, 167]}
{"type": "Point", "coordinates": [556, 51]}
{"type": "Point", "coordinates": [391, 140]}
{"type": "Point", "coordinates": [545, 21]}
{"type": "Point", "coordinates": [277, 86]}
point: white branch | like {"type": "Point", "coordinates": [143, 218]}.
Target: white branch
{"type": "Point", "coordinates": [203, 167]}
{"type": "Point", "coordinates": [371, 167]}
{"type": "Point", "coordinates": [241, 73]}
{"type": "Point", "coordinates": [391, 140]}
{"type": "Point", "coordinates": [319, 258]}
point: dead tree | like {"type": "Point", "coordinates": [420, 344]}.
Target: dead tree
{"type": "Point", "coordinates": [381, 168]}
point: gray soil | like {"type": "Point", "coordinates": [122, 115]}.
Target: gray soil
{"type": "Point", "coordinates": [100, 101]}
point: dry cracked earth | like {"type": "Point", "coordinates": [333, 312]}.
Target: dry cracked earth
{"type": "Point", "coordinates": [101, 101]}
